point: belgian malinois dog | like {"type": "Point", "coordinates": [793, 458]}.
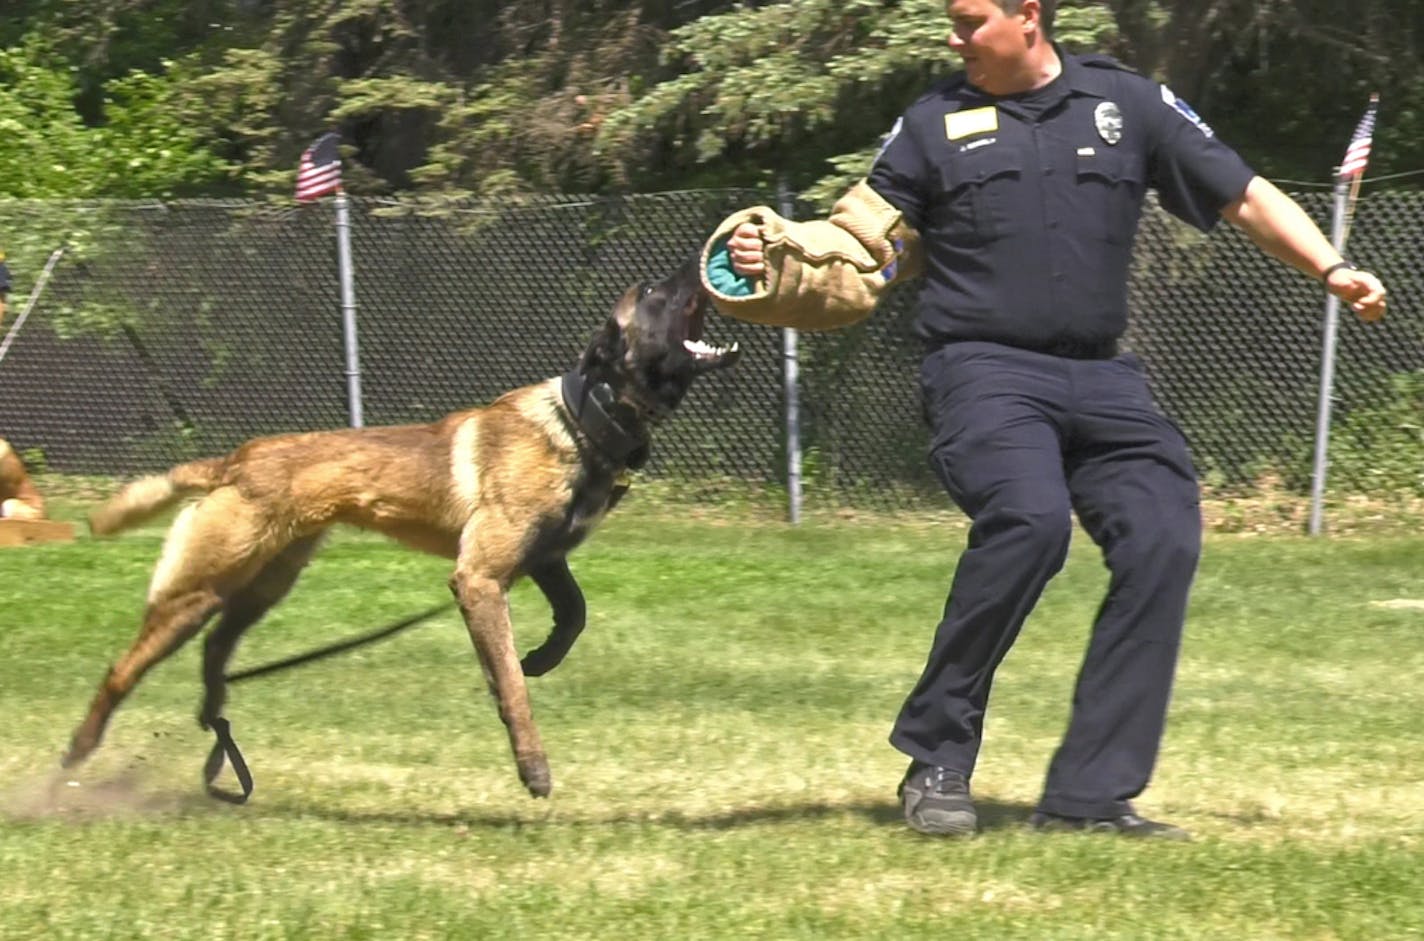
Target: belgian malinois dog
{"type": "Point", "coordinates": [506, 490]}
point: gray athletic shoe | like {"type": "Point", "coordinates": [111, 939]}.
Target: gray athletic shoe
{"type": "Point", "coordinates": [1128, 824]}
{"type": "Point", "coordinates": [936, 801]}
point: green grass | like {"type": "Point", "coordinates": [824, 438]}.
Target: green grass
{"type": "Point", "coordinates": [718, 744]}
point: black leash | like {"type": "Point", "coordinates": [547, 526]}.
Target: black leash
{"type": "Point", "coordinates": [339, 647]}
{"type": "Point", "coordinates": [222, 729]}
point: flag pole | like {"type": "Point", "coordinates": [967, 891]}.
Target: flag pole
{"type": "Point", "coordinates": [1350, 207]}
{"type": "Point", "coordinates": [35, 293]}
{"type": "Point", "coordinates": [348, 309]}
{"type": "Point", "coordinates": [1327, 369]}
{"type": "Point", "coordinates": [1351, 169]}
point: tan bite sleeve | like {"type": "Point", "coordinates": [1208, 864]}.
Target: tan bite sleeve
{"type": "Point", "coordinates": [822, 274]}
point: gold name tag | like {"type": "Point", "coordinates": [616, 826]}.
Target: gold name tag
{"type": "Point", "coordinates": [974, 121]}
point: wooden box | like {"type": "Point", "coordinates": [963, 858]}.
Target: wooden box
{"type": "Point", "coordinates": [26, 532]}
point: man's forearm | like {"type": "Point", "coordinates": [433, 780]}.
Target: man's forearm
{"type": "Point", "coordinates": [1281, 228]}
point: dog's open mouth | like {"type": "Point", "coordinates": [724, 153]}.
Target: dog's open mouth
{"type": "Point", "coordinates": [697, 348]}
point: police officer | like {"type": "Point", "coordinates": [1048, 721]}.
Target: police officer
{"type": "Point", "coordinates": [1015, 187]}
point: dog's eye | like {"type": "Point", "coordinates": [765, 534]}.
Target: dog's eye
{"type": "Point", "coordinates": [644, 289]}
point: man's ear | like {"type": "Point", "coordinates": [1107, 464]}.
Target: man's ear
{"type": "Point", "coordinates": [606, 348]}
{"type": "Point", "coordinates": [1031, 12]}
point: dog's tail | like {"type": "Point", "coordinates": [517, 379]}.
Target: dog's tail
{"type": "Point", "coordinates": [146, 497]}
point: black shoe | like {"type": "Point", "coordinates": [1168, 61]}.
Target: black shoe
{"type": "Point", "coordinates": [936, 801]}
{"type": "Point", "coordinates": [1128, 824]}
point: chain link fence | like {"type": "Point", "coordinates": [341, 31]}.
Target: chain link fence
{"type": "Point", "coordinates": [173, 330]}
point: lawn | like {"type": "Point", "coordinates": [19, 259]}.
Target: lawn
{"type": "Point", "coordinates": [718, 745]}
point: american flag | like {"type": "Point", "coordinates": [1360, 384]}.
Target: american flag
{"type": "Point", "coordinates": [1358, 153]}
{"type": "Point", "coordinates": [320, 170]}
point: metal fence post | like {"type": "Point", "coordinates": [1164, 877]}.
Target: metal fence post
{"type": "Point", "coordinates": [1327, 371]}
{"type": "Point", "coordinates": [348, 309]}
{"type": "Point", "coordinates": [790, 378]}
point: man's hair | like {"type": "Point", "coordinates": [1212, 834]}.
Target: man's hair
{"type": "Point", "coordinates": [1045, 15]}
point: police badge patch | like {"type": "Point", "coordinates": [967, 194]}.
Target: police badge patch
{"type": "Point", "coordinates": [1185, 110]}
{"type": "Point", "coordinates": [1108, 117]}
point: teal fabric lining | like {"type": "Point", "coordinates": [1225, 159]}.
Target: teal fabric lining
{"type": "Point", "coordinates": [723, 278]}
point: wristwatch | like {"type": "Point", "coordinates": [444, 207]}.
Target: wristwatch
{"type": "Point", "coordinates": [1325, 275]}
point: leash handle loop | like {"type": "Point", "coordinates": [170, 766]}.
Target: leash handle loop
{"type": "Point", "coordinates": [225, 746]}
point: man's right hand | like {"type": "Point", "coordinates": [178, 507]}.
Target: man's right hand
{"type": "Point", "coordinates": [748, 250]}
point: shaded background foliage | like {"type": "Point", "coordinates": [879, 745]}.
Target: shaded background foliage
{"type": "Point", "coordinates": [166, 98]}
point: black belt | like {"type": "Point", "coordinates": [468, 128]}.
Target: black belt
{"type": "Point", "coordinates": [1064, 349]}
{"type": "Point", "coordinates": [1081, 349]}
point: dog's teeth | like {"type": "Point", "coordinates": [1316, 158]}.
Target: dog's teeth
{"type": "Point", "coordinates": [702, 350]}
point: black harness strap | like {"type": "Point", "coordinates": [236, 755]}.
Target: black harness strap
{"type": "Point", "coordinates": [594, 408]}
{"type": "Point", "coordinates": [222, 729]}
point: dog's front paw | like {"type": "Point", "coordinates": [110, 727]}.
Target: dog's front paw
{"type": "Point", "coordinates": [534, 772]}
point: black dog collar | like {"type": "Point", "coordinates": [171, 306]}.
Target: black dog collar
{"type": "Point", "coordinates": [591, 403]}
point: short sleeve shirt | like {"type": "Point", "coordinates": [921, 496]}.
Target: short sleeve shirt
{"type": "Point", "coordinates": [1028, 205]}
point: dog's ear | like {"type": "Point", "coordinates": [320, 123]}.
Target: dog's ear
{"type": "Point", "coordinates": [606, 349]}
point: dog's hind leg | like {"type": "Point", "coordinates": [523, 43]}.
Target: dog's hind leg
{"type": "Point", "coordinates": [559, 587]}
{"type": "Point", "coordinates": [213, 548]}
{"type": "Point", "coordinates": [485, 605]}
{"type": "Point", "coordinates": [167, 624]}
{"type": "Point", "coordinates": [244, 608]}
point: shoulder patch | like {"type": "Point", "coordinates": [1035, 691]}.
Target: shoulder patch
{"type": "Point", "coordinates": [886, 141]}
{"type": "Point", "coordinates": [1185, 110]}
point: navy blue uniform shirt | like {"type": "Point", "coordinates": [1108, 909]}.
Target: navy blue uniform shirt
{"type": "Point", "coordinates": [1027, 204]}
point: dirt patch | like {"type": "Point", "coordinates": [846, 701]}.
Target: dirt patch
{"type": "Point", "coordinates": [1270, 508]}
{"type": "Point", "coordinates": [59, 795]}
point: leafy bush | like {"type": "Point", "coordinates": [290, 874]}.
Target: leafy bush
{"type": "Point", "coordinates": [148, 144]}
{"type": "Point", "coordinates": [1380, 449]}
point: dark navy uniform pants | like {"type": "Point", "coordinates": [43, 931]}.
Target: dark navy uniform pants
{"type": "Point", "coordinates": [1021, 441]}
